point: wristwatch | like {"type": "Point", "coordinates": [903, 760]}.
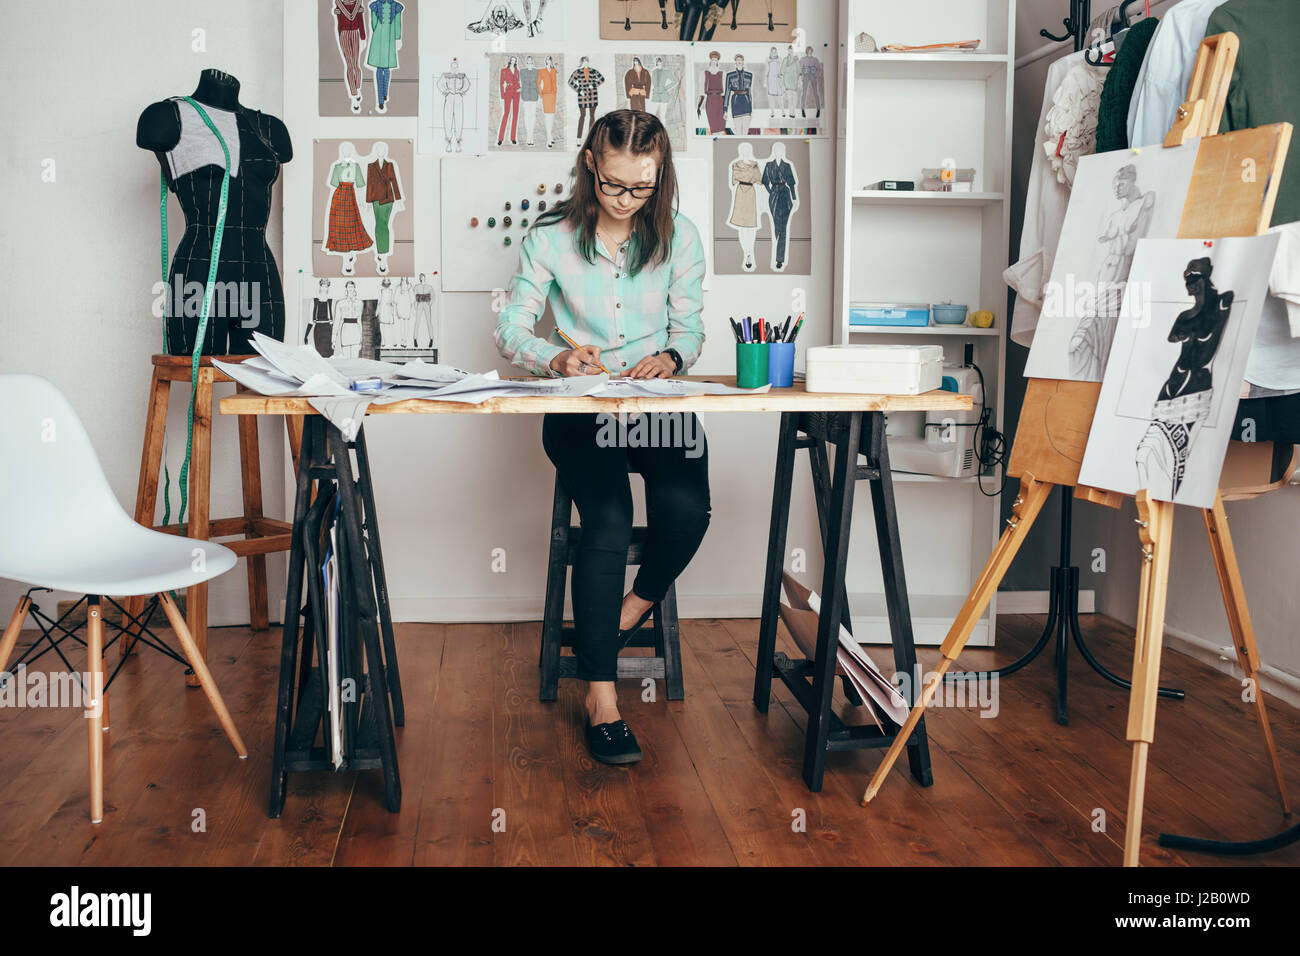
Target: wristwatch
{"type": "Point", "coordinates": [676, 357]}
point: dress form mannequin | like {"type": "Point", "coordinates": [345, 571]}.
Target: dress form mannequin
{"type": "Point", "coordinates": [252, 299]}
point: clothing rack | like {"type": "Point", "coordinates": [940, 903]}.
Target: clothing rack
{"type": "Point", "coordinates": [1063, 591]}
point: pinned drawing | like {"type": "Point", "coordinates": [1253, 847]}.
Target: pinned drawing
{"type": "Point", "coordinates": [454, 107]}
{"type": "Point", "coordinates": [359, 199]}
{"type": "Point", "coordinates": [762, 222]}
{"type": "Point", "coordinates": [1164, 415]}
{"type": "Point", "coordinates": [362, 57]}
{"type": "Point", "coordinates": [516, 19]}
{"type": "Point", "coordinates": [591, 91]}
{"type": "Point", "coordinates": [525, 107]}
{"type": "Point", "coordinates": [1118, 199]}
{"type": "Point", "coordinates": [737, 21]}
{"type": "Point", "coordinates": [783, 94]}
{"type": "Point", "coordinates": [373, 318]}
{"type": "Point", "coordinates": [652, 83]}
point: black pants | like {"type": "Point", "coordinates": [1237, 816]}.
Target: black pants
{"type": "Point", "coordinates": [594, 471]}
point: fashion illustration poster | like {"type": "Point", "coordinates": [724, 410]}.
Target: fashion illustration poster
{"type": "Point", "coordinates": [390, 318]}
{"type": "Point", "coordinates": [1165, 413]}
{"type": "Point", "coordinates": [1118, 199]}
{"type": "Point", "coordinates": [526, 102]}
{"type": "Point", "coordinates": [361, 207]}
{"type": "Point", "coordinates": [762, 221]}
{"type": "Point", "coordinates": [654, 83]}
{"type": "Point", "coordinates": [369, 60]}
{"type": "Point", "coordinates": [512, 19]}
{"type": "Point", "coordinates": [780, 92]}
{"type": "Point", "coordinates": [728, 21]}
{"type": "Point", "coordinates": [454, 105]}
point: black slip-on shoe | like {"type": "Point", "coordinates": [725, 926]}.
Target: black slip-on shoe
{"type": "Point", "coordinates": [613, 742]}
{"type": "Point", "coordinates": [625, 636]}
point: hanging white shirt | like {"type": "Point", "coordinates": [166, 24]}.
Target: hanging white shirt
{"type": "Point", "coordinates": [1045, 202]}
{"type": "Point", "coordinates": [1167, 70]}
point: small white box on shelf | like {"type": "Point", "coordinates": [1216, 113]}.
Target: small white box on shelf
{"type": "Point", "coordinates": [874, 369]}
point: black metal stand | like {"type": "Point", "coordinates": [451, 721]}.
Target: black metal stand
{"type": "Point", "coordinates": [1063, 619]}
{"type": "Point", "coordinates": [367, 650]}
{"type": "Point", "coordinates": [812, 682]}
{"type": "Point", "coordinates": [1244, 848]}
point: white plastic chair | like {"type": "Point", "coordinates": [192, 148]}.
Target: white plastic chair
{"type": "Point", "coordinates": [61, 527]}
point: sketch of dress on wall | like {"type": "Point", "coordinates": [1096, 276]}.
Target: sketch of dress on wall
{"type": "Point", "coordinates": [664, 87]}
{"type": "Point", "coordinates": [775, 86]}
{"type": "Point", "coordinates": [1129, 222]}
{"type": "Point", "coordinates": [548, 86]}
{"type": "Point", "coordinates": [529, 95]}
{"type": "Point", "coordinates": [454, 86]}
{"type": "Point", "coordinates": [586, 81]}
{"type": "Point", "coordinates": [320, 327]}
{"type": "Point", "coordinates": [713, 95]}
{"type": "Point", "coordinates": [387, 315]}
{"type": "Point", "coordinates": [813, 88]}
{"type": "Point", "coordinates": [423, 309]}
{"type": "Point", "coordinates": [347, 322]}
{"type": "Point", "coordinates": [508, 84]}
{"type": "Point", "coordinates": [637, 85]}
{"type": "Point", "coordinates": [1185, 398]}
{"type": "Point", "coordinates": [346, 235]}
{"type": "Point", "coordinates": [745, 177]}
{"type": "Point", "coordinates": [781, 183]}
{"type": "Point", "coordinates": [384, 193]}
{"type": "Point", "coordinates": [385, 40]}
{"type": "Point", "coordinates": [790, 80]}
{"type": "Point", "coordinates": [404, 313]}
{"type": "Point", "coordinates": [740, 100]}
{"type": "Point", "coordinates": [350, 31]}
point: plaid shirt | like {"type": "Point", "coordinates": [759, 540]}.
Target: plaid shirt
{"type": "Point", "coordinates": [586, 81]}
{"type": "Point", "coordinates": [628, 317]}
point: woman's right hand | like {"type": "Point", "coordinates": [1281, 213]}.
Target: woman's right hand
{"type": "Point", "coordinates": [580, 361]}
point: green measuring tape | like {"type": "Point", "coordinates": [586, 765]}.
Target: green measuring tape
{"type": "Point", "coordinates": [203, 318]}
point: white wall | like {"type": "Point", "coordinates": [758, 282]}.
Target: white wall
{"type": "Point", "coordinates": [449, 489]}
{"type": "Point", "coordinates": [81, 254]}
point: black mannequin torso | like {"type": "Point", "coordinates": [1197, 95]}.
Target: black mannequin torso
{"type": "Point", "coordinates": [252, 299]}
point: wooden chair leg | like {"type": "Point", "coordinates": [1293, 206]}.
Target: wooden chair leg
{"type": "Point", "coordinates": [95, 710]}
{"type": "Point", "coordinates": [1156, 525]}
{"type": "Point", "coordinates": [1027, 505]}
{"type": "Point", "coordinates": [201, 672]}
{"type": "Point", "coordinates": [1243, 632]}
{"type": "Point", "coordinates": [199, 525]}
{"type": "Point", "coordinates": [12, 630]}
{"type": "Point", "coordinates": [250, 461]}
{"type": "Point", "coordinates": [146, 492]}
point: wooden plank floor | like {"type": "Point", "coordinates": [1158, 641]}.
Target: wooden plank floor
{"type": "Point", "coordinates": [719, 784]}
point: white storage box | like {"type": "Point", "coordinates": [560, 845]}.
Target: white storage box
{"type": "Point", "coordinates": [874, 369]}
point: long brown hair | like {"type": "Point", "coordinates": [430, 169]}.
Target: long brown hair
{"type": "Point", "coordinates": [641, 134]}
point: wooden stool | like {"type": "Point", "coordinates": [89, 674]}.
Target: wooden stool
{"type": "Point", "coordinates": [666, 665]}
{"type": "Point", "coordinates": [262, 535]}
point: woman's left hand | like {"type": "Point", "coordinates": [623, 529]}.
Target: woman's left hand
{"type": "Point", "coordinates": [654, 366]}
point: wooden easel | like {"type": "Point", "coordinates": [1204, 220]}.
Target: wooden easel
{"type": "Point", "coordinates": [1057, 417]}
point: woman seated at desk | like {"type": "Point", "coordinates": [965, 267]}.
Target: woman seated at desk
{"type": "Point", "coordinates": [623, 272]}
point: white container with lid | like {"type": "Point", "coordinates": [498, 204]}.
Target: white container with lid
{"type": "Point", "coordinates": [874, 369]}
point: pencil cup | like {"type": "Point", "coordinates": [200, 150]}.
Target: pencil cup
{"type": "Point", "coordinates": [780, 364]}
{"type": "Point", "coordinates": [751, 364]}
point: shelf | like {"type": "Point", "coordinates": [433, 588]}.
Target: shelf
{"type": "Point", "coordinates": [888, 197]}
{"type": "Point", "coordinates": [928, 66]}
{"type": "Point", "coordinates": [962, 330]}
{"type": "Point", "coordinates": [901, 477]}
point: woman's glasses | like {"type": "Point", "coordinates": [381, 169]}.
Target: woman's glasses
{"type": "Point", "coordinates": [614, 189]}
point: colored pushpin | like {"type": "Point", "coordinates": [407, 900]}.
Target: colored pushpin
{"type": "Point", "coordinates": [492, 222]}
{"type": "Point", "coordinates": [524, 223]}
{"type": "Point", "coordinates": [507, 240]}
{"type": "Point", "coordinates": [559, 188]}
{"type": "Point", "coordinates": [541, 206]}
{"type": "Point", "coordinates": [523, 204]}
{"type": "Point", "coordinates": [507, 205]}
{"type": "Point", "coordinates": [506, 221]}
{"type": "Point", "coordinates": [473, 223]}
{"type": "Point", "coordinates": [541, 189]}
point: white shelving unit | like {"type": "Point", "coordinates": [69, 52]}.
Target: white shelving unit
{"type": "Point", "coordinates": [899, 113]}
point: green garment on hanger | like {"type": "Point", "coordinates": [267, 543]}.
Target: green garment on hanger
{"type": "Point", "coordinates": [1112, 112]}
{"type": "Point", "coordinates": [1264, 88]}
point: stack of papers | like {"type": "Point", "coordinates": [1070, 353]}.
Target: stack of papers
{"type": "Point", "coordinates": [280, 370]}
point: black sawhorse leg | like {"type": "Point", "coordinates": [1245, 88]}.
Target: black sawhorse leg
{"type": "Point", "coordinates": [812, 682]}
{"type": "Point", "coordinates": [325, 458]}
